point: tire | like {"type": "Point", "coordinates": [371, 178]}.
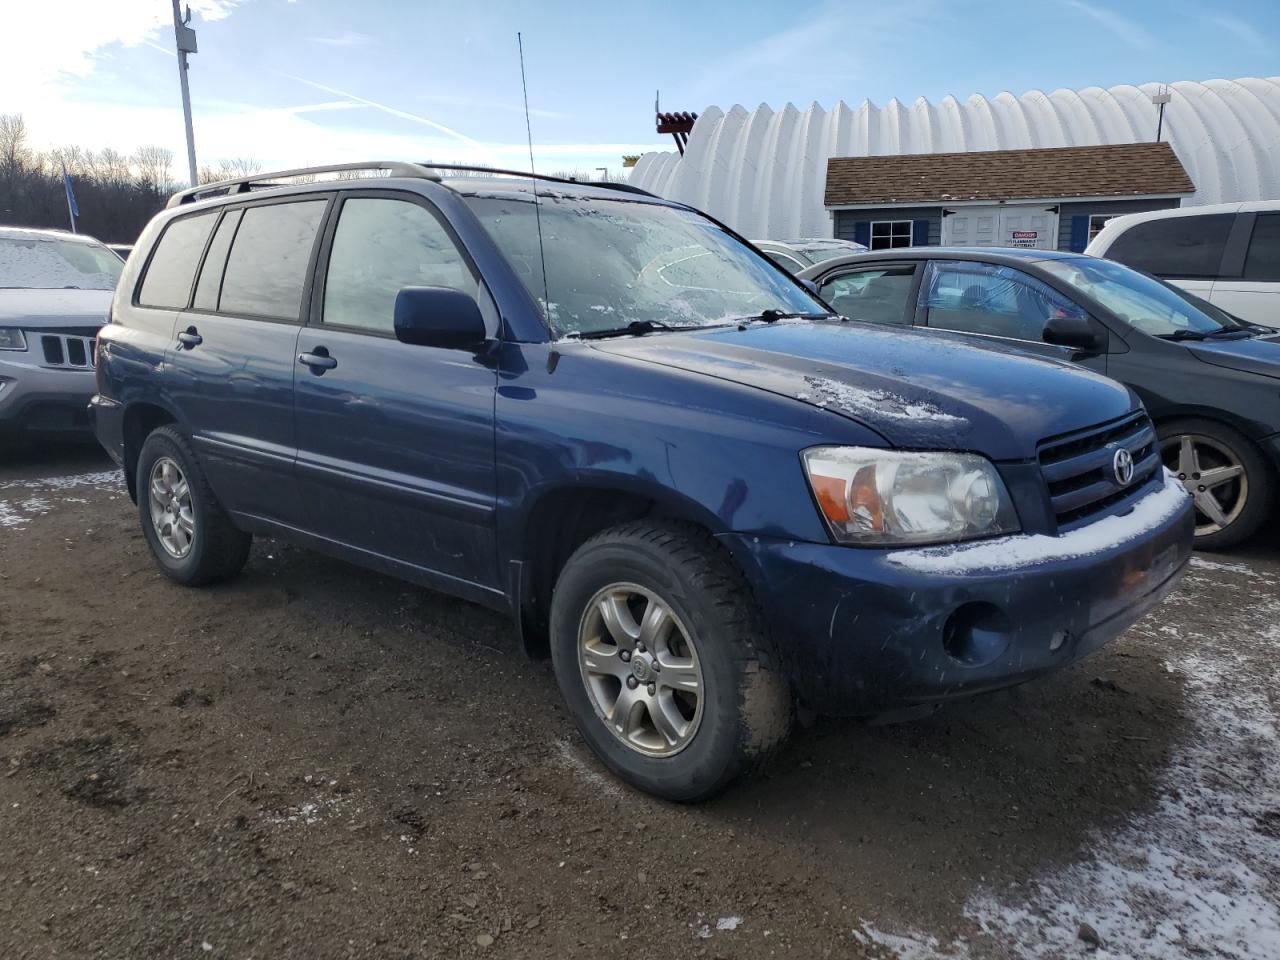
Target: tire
{"type": "Point", "coordinates": [1243, 501]}
{"type": "Point", "coordinates": [215, 549]}
{"type": "Point", "coordinates": [715, 638]}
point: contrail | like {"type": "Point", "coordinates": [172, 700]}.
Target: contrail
{"type": "Point", "coordinates": [391, 110]}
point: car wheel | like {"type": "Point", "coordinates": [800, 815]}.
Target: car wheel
{"type": "Point", "coordinates": [663, 660]}
{"type": "Point", "coordinates": [1231, 483]}
{"type": "Point", "coordinates": [193, 540]}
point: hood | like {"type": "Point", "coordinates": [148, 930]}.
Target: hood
{"type": "Point", "coordinates": [44, 309]}
{"type": "Point", "coordinates": [916, 389]}
{"type": "Point", "coordinates": [1259, 355]}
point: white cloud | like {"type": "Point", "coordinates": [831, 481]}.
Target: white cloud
{"type": "Point", "coordinates": [1242, 32]}
{"type": "Point", "coordinates": [1114, 23]}
{"type": "Point", "coordinates": [348, 38]}
{"type": "Point", "coordinates": [51, 40]}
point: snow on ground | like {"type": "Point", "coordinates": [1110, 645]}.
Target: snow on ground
{"type": "Point", "coordinates": [1199, 876]}
{"type": "Point", "coordinates": [23, 500]}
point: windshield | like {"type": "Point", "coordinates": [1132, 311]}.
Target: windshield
{"type": "Point", "coordinates": [45, 263]}
{"type": "Point", "coordinates": [1143, 302]}
{"type": "Point", "coordinates": [611, 263]}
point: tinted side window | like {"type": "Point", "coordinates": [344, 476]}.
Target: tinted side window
{"type": "Point", "coordinates": [210, 281]}
{"type": "Point", "coordinates": [1188, 247]}
{"type": "Point", "coordinates": [878, 295]}
{"type": "Point", "coordinates": [1263, 260]}
{"type": "Point", "coordinates": [380, 246]}
{"type": "Point", "coordinates": [993, 300]}
{"type": "Point", "coordinates": [172, 269]}
{"type": "Point", "coordinates": [266, 270]}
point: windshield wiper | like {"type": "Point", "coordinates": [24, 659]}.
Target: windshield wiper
{"type": "Point", "coordinates": [771, 315]}
{"type": "Point", "coordinates": [1182, 335]}
{"type": "Point", "coordinates": [1234, 333]}
{"type": "Point", "coordinates": [635, 328]}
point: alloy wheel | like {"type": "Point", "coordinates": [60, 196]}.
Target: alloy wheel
{"type": "Point", "coordinates": [172, 514]}
{"type": "Point", "coordinates": [641, 670]}
{"type": "Point", "coordinates": [1212, 474]}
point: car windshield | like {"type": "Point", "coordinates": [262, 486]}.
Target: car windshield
{"type": "Point", "coordinates": [46, 263]}
{"type": "Point", "coordinates": [1143, 302]}
{"type": "Point", "coordinates": [611, 263]}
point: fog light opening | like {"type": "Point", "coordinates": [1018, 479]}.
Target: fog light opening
{"type": "Point", "coordinates": [976, 634]}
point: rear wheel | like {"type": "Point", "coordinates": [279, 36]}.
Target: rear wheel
{"type": "Point", "coordinates": [663, 660]}
{"type": "Point", "coordinates": [194, 542]}
{"type": "Point", "coordinates": [1230, 481]}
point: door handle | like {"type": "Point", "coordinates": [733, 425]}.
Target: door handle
{"type": "Point", "coordinates": [189, 338]}
{"type": "Point", "coordinates": [318, 360]}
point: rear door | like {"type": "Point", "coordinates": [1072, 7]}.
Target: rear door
{"type": "Point", "coordinates": [875, 293]}
{"type": "Point", "coordinates": [1254, 294]}
{"type": "Point", "coordinates": [396, 442]}
{"type": "Point", "coordinates": [232, 374]}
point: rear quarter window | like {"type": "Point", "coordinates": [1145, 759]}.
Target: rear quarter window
{"type": "Point", "coordinates": [1188, 247]}
{"type": "Point", "coordinates": [172, 270]}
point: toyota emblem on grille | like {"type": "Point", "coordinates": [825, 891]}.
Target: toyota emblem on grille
{"type": "Point", "coordinates": [1122, 466]}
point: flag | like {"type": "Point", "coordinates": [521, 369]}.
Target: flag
{"type": "Point", "coordinates": [71, 194]}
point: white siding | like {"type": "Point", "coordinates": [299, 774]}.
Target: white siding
{"type": "Point", "coordinates": [764, 172]}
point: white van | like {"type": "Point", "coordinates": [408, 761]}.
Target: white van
{"type": "Point", "coordinates": [1226, 253]}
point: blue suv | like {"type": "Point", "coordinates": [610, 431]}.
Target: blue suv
{"type": "Point", "coordinates": [697, 489]}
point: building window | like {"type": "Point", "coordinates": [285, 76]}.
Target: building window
{"type": "Point", "coordinates": [888, 234]}
{"type": "Point", "coordinates": [1096, 222]}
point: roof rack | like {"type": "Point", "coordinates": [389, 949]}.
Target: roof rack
{"type": "Point", "coordinates": [394, 168]}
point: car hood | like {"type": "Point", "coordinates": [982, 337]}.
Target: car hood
{"type": "Point", "coordinates": [1259, 355]}
{"type": "Point", "coordinates": [924, 390]}
{"type": "Point", "coordinates": [43, 309]}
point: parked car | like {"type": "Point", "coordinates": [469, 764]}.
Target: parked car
{"type": "Point", "coordinates": [55, 292]}
{"type": "Point", "coordinates": [795, 255]}
{"type": "Point", "coordinates": [685, 479]}
{"type": "Point", "coordinates": [121, 250]}
{"type": "Point", "coordinates": [1226, 253]}
{"type": "Point", "coordinates": [1208, 380]}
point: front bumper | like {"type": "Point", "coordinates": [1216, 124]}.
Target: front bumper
{"type": "Point", "coordinates": [38, 399]}
{"type": "Point", "coordinates": [861, 632]}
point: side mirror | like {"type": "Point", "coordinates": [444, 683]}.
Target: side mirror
{"type": "Point", "coordinates": [1078, 332]}
{"type": "Point", "coordinates": [438, 317]}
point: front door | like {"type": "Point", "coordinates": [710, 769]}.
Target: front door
{"type": "Point", "coordinates": [395, 442]}
{"type": "Point", "coordinates": [1001, 225]}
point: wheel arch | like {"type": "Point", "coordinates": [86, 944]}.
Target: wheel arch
{"type": "Point", "coordinates": [560, 518]}
{"type": "Point", "coordinates": [140, 419]}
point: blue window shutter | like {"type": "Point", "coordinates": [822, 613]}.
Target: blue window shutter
{"type": "Point", "coordinates": [919, 233]}
{"type": "Point", "coordinates": [1079, 234]}
{"type": "Point", "coordinates": [862, 232]}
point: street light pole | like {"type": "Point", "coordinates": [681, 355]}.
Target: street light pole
{"type": "Point", "coordinates": [185, 38]}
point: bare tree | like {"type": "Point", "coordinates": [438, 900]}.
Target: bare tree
{"type": "Point", "coordinates": [13, 143]}
{"type": "Point", "coordinates": [154, 167]}
{"type": "Point", "coordinates": [229, 170]}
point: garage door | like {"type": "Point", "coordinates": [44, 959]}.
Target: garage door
{"type": "Point", "coordinates": [1001, 225]}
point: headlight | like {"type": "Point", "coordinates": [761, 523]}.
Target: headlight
{"type": "Point", "coordinates": [12, 339]}
{"type": "Point", "coordinates": [883, 497]}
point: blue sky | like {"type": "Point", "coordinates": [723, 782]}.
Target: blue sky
{"type": "Point", "coordinates": [306, 81]}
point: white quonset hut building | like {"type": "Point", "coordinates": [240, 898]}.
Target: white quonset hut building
{"type": "Point", "coordinates": [1043, 170]}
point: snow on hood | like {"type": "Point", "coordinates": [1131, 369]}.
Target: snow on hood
{"type": "Point", "coordinates": [34, 309]}
{"type": "Point", "coordinates": [916, 389]}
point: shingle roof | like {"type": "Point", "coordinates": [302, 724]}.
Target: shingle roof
{"type": "Point", "coordinates": [1114, 170]}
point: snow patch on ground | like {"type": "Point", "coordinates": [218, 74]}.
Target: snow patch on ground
{"type": "Point", "coordinates": [1199, 875]}
{"type": "Point", "coordinates": [728, 923]}
{"type": "Point", "coordinates": [588, 771]}
{"type": "Point", "coordinates": [857, 402]}
{"type": "Point", "coordinates": [27, 502]}
{"type": "Point", "coordinates": [1013, 553]}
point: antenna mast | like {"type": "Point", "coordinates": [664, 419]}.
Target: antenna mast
{"type": "Point", "coordinates": [537, 206]}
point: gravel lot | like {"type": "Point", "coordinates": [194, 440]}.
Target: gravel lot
{"type": "Point", "coordinates": [314, 761]}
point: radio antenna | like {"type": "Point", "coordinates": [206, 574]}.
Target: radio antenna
{"type": "Point", "coordinates": [537, 206]}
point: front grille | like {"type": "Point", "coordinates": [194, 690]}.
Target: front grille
{"type": "Point", "coordinates": [65, 351]}
{"type": "Point", "coordinates": [1078, 467]}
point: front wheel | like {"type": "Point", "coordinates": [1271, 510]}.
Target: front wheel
{"type": "Point", "coordinates": [663, 660]}
{"type": "Point", "coordinates": [1226, 475]}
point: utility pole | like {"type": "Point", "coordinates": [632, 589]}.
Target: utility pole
{"type": "Point", "coordinates": [185, 38]}
{"type": "Point", "coordinates": [1161, 100]}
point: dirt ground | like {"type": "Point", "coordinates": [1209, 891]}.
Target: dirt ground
{"type": "Point", "coordinates": [314, 761]}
